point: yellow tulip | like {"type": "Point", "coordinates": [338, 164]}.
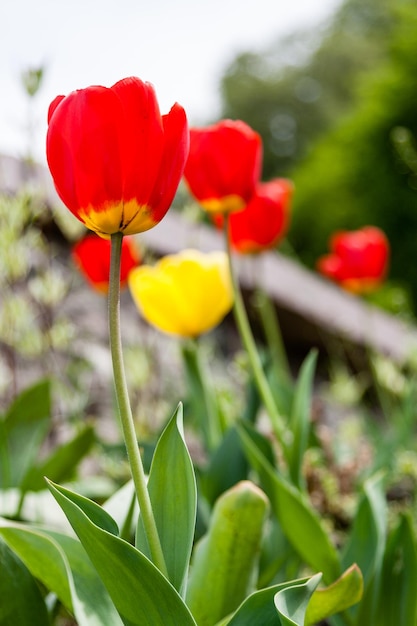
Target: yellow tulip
{"type": "Point", "coordinates": [184, 294]}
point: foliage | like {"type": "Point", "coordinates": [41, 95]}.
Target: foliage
{"type": "Point", "coordinates": [349, 144]}
{"type": "Point", "coordinates": [251, 540]}
{"type": "Point", "coordinates": [33, 329]}
{"type": "Point", "coordinates": [355, 175]}
{"type": "Point", "coordinates": [286, 529]}
{"type": "Point", "coordinates": [24, 430]}
{"type": "Point", "coordinates": [295, 90]}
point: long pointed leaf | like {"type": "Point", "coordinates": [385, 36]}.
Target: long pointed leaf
{"type": "Point", "coordinates": [173, 494]}
{"type": "Point", "coordinates": [21, 601]}
{"type": "Point", "coordinates": [337, 597]}
{"type": "Point", "coordinates": [62, 565]}
{"type": "Point", "coordinates": [367, 538]}
{"type": "Point", "coordinates": [227, 466]}
{"type": "Point", "coordinates": [203, 402]}
{"type": "Point", "coordinates": [22, 432]}
{"type": "Point", "coordinates": [295, 514]}
{"type": "Point", "coordinates": [366, 546]}
{"type": "Point", "coordinates": [60, 465]}
{"type": "Point", "coordinates": [397, 602]}
{"type": "Point", "coordinates": [259, 607]}
{"type": "Point", "coordinates": [292, 602]}
{"type": "Point", "coordinates": [123, 507]}
{"type": "Point", "coordinates": [141, 594]}
{"type": "Point", "coordinates": [300, 418]}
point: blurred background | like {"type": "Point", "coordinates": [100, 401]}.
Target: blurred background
{"type": "Point", "coordinates": [331, 87]}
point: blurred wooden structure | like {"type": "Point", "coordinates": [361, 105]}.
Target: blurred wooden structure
{"type": "Point", "coordinates": [309, 307]}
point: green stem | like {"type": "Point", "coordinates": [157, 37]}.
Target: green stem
{"type": "Point", "coordinates": [125, 412]}
{"type": "Point", "coordinates": [203, 402]}
{"type": "Point", "coordinates": [248, 340]}
{"type": "Point", "coordinates": [273, 335]}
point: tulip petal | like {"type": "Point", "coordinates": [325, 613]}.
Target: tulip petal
{"type": "Point", "coordinates": [141, 138]}
{"type": "Point", "coordinates": [358, 259]}
{"type": "Point", "coordinates": [116, 162]}
{"type": "Point", "coordinates": [176, 142]}
{"type": "Point", "coordinates": [224, 165]}
{"type": "Point", "coordinates": [83, 149]}
{"type": "Point", "coordinates": [185, 294]}
{"type": "Point", "coordinates": [175, 155]}
{"type": "Point", "coordinates": [264, 221]}
{"type": "Point", "coordinates": [91, 255]}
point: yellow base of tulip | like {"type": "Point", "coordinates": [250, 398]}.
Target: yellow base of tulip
{"type": "Point", "coordinates": [128, 218]}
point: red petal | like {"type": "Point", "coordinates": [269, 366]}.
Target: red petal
{"type": "Point", "coordinates": [265, 219]}
{"type": "Point", "coordinates": [141, 140]}
{"type": "Point", "coordinates": [176, 145]}
{"type": "Point", "coordinates": [92, 256]}
{"type": "Point", "coordinates": [53, 106]}
{"type": "Point", "coordinates": [83, 148]}
{"type": "Point", "coordinates": [225, 159]}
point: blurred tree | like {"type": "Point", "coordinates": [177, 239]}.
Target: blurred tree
{"type": "Point", "coordinates": [32, 79]}
{"type": "Point", "coordinates": [295, 90]}
{"type": "Point", "coordinates": [364, 170]}
{"type": "Point", "coordinates": [340, 119]}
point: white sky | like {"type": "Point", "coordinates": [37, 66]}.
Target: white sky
{"type": "Point", "coordinates": [181, 46]}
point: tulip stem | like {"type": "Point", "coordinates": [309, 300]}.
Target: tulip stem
{"type": "Point", "coordinates": [204, 406]}
{"type": "Point", "coordinates": [248, 340]}
{"type": "Point", "coordinates": [125, 411]}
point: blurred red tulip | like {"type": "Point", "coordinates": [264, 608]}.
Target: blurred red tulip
{"type": "Point", "coordinates": [358, 259]}
{"type": "Point", "coordinates": [91, 255]}
{"type": "Point", "coordinates": [264, 221]}
{"type": "Point", "coordinates": [116, 162]}
{"type": "Point", "coordinates": [224, 165]}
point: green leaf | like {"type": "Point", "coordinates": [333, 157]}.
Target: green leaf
{"type": "Point", "coordinates": [300, 418]}
{"type": "Point", "coordinates": [397, 603]}
{"type": "Point", "coordinates": [366, 545]}
{"type": "Point", "coordinates": [295, 514]}
{"type": "Point", "coordinates": [259, 607]}
{"type": "Point", "coordinates": [21, 601]}
{"type": "Point", "coordinates": [262, 443]}
{"type": "Point", "coordinates": [173, 494]}
{"type": "Point", "coordinates": [96, 514]}
{"type": "Point", "coordinates": [225, 560]}
{"type": "Point", "coordinates": [123, 507]}
{"type": "Point", "coordinates": [276, 349]}
{"type": "Point", "coordinates": [367, 539]}
{"type": "Point", "coordinates": [141, 594]}
{"type": "Point", "coordinates": [62, 565]}
{"type": "Point", "coordinates": [278, 559]}
{"type": "Point", "coordinates": [341, 595]}
{"type": "Point", "coordinates": [61, 464]}
{"type": "Point", "coordinates": [227, 466]}
{"type": "Point", "coordinates": [291, 603]}
{"type": "Point", "coordinates": [203, 401]}
{"type": "Point", "coordinates": [22, 431]}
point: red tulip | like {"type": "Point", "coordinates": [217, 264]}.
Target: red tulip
{"type": "Point", "coordinates": [264, 221]}
{"type": "Point", "coordinates": [116, 162]}
{"type": "Point", "coordinates": [224, 165]}
{"type": "Point", "coordinates": [358, 259]}
{"type": "Point", "coordinates": [92, 257]}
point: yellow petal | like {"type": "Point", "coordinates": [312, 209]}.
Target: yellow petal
{"type": "Point", "coordinates": [227, 204]}
{"type": "Point", "coordinates": [185, 294]}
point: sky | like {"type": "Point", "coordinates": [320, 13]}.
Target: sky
{"type": "Point", "coordinates": [181, 46]}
